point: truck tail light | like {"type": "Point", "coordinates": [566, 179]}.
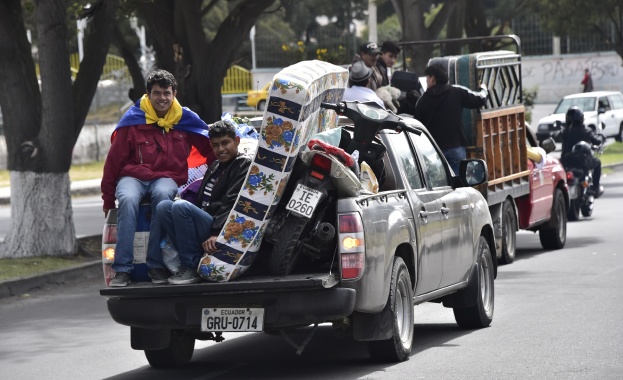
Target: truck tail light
{"type": "Point", "coordinates": [109, 240]}
{"type": "Point", "coordinates": [352, 246]}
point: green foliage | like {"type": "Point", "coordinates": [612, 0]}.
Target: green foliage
{"type": "Point", "coordinates": [573, 17]}
{"type": "Point", "coordinates": [529, 98]}
{"type": "Point", "coordinates": [613, 154]}
{"type": "Point", "coordinates": [389, 29]}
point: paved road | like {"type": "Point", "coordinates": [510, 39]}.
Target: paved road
{"type": "Point", "coordinates": [88, 216]}
{"type": "Point", "coordinates": [557, 316]}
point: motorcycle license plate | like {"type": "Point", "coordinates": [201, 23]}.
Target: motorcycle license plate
{"type": "Point", "coordinates": [232, 319]}
{"type": "Point", "coordinates": [304, 200]}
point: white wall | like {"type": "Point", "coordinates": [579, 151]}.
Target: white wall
{"type": "Point", "coordinates": [92, 145]}
{"type": "Point", "coordinates": [557, 76]}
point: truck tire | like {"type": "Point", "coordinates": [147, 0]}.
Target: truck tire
{"type": "Point", "coordinates": [574, 210]}
{"type": "Point", "coordinates": [286, 249]}
{"type": "Point", "coordinates": [509, 233]}
{"type": "Point", "coordinates": [619, 136]}
{"type": "Point", "coordinates": [179, 352]}
{"type": "Point", "coordinates": [555, 237]}
{"type": "Point", "coordinates": [261, 105]}
{"type": "Point", "coordinates": [400, 307]}
{"type": "Point", "coordinates": [481, 314]}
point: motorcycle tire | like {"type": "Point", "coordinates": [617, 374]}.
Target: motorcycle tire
{"type": "Point", "coordinates": [287, 246]}
{"type": "Point", "coordinates": [587, 210]}
{"type": "Point", "coordinates": [574, 210]}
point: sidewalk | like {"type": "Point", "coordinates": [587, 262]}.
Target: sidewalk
{"type": "Point", "coordinates": [86, 271]}
{"type": "Point", "coordinates": [87, 187]}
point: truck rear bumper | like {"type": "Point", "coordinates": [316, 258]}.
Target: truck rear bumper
{"type": "Point", "coordinates": [281, 308]}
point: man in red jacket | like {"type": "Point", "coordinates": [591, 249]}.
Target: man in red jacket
{"type": "Point", "coordinates": [148, 158]}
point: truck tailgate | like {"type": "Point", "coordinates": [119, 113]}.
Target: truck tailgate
{"type": "Point", "coordinates": [292, 300]}
{"type": "Point", "coordinates": [250, 284]}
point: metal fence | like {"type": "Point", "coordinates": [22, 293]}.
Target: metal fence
{"type": "Point", "coordinates": [536, 41]}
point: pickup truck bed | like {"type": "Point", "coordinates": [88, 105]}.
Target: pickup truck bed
{"type": "Point", "coordinates": [288, 301]}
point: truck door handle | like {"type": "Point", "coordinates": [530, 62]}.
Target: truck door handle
{"type": "Point", "coordinates": [425, 214]}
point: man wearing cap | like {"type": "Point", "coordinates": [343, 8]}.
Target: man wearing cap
{"type": "Point", "coordinates": [368, 54]}
{"type": "Point", "coordinates": [358, 85]}
{"type": "Point", "coordinates": [440, 109]}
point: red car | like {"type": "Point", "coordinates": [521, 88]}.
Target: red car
{"type": "Point", "coordinates": [544, 209]}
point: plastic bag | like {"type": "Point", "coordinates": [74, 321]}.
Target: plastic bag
{"type": "Point", "coordinates": [170, 257]}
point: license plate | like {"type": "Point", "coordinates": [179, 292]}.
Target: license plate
{"type": "Point", "coordinates": [232, 319]}
{"type": "Point", "coordinates": [304, 201]}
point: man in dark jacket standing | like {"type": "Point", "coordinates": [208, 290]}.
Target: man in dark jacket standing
{"type": "Point", "coordinates": [440, 109]}
{"type": "Point", "coordinates": [193, 228]}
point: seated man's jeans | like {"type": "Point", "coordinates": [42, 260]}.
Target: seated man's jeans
{"type": "Point", "coordinates": [130, 191]}
{"type": "Point", "coordinates": [187, 226]}
{"type": "Point", "coordinates": [454, 157]}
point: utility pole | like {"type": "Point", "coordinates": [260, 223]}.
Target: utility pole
{"type": "Point", "coordinates": [372, 33]}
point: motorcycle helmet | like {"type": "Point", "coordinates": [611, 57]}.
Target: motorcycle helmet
{"type": "Point", "coordinates": [582, 147]}
{"type": "Point", "coordinates": [574, 117]}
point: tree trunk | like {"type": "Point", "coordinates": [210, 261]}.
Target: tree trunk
{"type": "Point", "coordinates": [41, 216]}
{"type": "Point", "coordinates": [42, 126]}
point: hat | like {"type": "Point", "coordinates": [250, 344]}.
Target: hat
{"type": "Point", "coordinates": [370, 48]}
{"type": "Point", "coordinates": [359, 72]}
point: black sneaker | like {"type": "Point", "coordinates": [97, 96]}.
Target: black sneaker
{"type": "Point", "coordinates": [159, 275]}
{"type": "Point", "coordinates": [185, 276]}
{"type": "Point", "coordinates": [599, 192]}
{"type": "Point", "coordinates": [120, 279]}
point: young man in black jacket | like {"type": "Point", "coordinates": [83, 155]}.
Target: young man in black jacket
{"type": "Point", "coordinates": [440, 109]}
{"type": "Point", "coordinates": [193, 228]}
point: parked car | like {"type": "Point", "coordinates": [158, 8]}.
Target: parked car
{"type": "Point", "coordinates": [609, 123]}
{"type": "Point", "coordinates": [257, 98]}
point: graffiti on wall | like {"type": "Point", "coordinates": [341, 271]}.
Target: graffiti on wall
{"type": "Point", "coordinates": [557, 76]}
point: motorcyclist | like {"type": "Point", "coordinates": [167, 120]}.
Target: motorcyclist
{"type": "Point", "coordinates": [576, 132]}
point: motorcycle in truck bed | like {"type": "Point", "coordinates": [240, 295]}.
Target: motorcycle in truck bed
{"type": "Point", "coordinates": [425, 235]}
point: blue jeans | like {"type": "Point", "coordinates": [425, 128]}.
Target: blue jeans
{"type": "Point", "coordinates": [454, 157]}
{"type": "Point", "coordinates": [187, 226]}
{"type": "Point", "coordinates": [130, 191]}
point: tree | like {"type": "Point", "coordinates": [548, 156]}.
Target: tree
{"type": "Point", "coordinates": [42, 123]}
{"type": "Point", "coordinates": [183, 47]}
{"type": "Point", "coordinates": [575, 17]}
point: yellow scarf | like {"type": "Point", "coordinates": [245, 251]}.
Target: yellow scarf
{"type": "Point", "coordinates": [167, 122]}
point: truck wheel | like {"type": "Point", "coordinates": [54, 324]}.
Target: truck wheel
{"type": "Point", "coordinates": [287, 246]}
{"type": "Point", "coordinates": [509, 228]}
{"type": "Point", "coordinates": [400, 309]}
{"type": "Point", "coordinates": [556, 237]}
{"type": "Point", "coordinates": [177, 354]}
{"type": "Point", "coordinates": [261, 105]}
{"type": "Point", "coordinates": [574, 210]}
{"type": "Point", "coordinates": [481, 314]}
{"type": "Point", "coordinates": [619, 136]}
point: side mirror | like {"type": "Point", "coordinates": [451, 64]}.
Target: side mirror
{"type": "Point", "coordinates": [548, 145]}
{"type": "Point", "coordinates": [601, 110]}
{"type": "Point", "coordinates": [557, 124]}
{"type": "Point", "coordinates": [473, 172]}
